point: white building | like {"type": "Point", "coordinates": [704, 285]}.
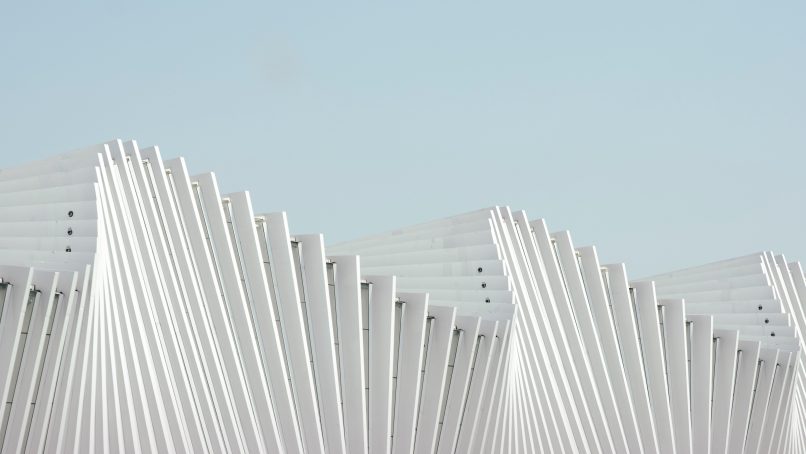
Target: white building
{"type": "Point", "coordinates": [143, 311]}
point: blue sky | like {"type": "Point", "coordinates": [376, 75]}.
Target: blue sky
{"type": "Point", "coordinates": [666, 134]}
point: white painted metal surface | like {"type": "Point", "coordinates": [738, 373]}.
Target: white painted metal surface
{"type": "Point", "coordinates": [142, 311]}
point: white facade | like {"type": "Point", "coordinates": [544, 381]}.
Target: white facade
{"type": "Point", "coordinates": [143, 311]}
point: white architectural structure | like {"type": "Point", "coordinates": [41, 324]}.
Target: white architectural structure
{"type": "Point", "coordinates": [143, 311]}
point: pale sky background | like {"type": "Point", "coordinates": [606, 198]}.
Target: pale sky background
{"type": "Point", "coordinates": [667, 135]}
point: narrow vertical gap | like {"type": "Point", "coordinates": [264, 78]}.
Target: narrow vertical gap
{"type": "Point", "coordinates": [28, 426]}
{"type": "Point", "coordinates": [664, 352]}
{"type": "Point", "coordinates": [296, 254]}
{"type": "Point", "coordinates": [634, 312]}
{"type": "Point", "coordinates": [262, 233]}
{"type": "Point", "coordinates": [365, 292]}
{"type": "Point", "coordinates": [585, 288]}
{"type": "Point", "coordinates": [33, 295]}
{"type": "Point", "coordinates": [689, 332]}
{"type": "Point", "coordinates": [611, 309]}
{"type": "Point", "coordinates": [455, 338]}
{"type": "Point", "coordinates": [714, 359]}
{"type": "Point", "coordinates": [662, 326]}
{"type": "Point", "coordinates": [479, 340]}
{"type": "Point", "coordinates": [759, 366]}
{"type": "Point", "coordinates": [739, 358]}
{"type": "Point", "coordinates": [3, 294]}
{"type": "Point", "coordinates": [334, 321]}
{"type": "Point", "coordinates": [398, 325]}
{"type": "Point", "coordinates": [429, 327]}
{"type": "Point", "coordinates": [39, 367]}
